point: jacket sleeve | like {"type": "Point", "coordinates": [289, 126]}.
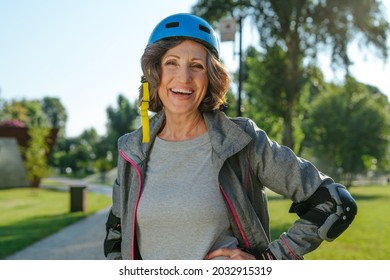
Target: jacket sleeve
{"type": "Point", "coordinates": [281, 171]}
{"type": "Point", "coordinates": [113, 239]}
{"type": "Point", "coordinates": [301, 238]}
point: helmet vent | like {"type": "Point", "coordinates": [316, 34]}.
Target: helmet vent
{"type": "Point", "coordinates": [204, 28]}
{"type": "Point", "coordinates": [172, 24]}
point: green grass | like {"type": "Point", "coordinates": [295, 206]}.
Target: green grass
{"type": "Point", "coordinates": [28, 215]}
{"type": "Point", "coordinates": [368, 237]}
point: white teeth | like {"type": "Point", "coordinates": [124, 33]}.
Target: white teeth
{"type": "Point", "coordinates": [181, 91]}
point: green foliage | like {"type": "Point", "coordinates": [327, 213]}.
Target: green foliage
{"type": "Point", "coordinates": [39, 116]}
{"type": "Point", "coordinates": [347, 127]}
{"type": "Point", "coordinates": [90, 153]}
{"type": "Point", "coordinates": [48, 112]}
{"type": "Point", "coordinates": [77, 155]}
{"type": "Point", "coordinates": [291, 34]}
{"type": "Point", "coordinates": [23, 110]}
{"type": "Point", "coordinates": [35, 155]}
{"type": "Point", "coordinates": [56, 114]}
{"type": "Point", "coordinates": [265, 97]}
{"type": "Point", "coordinates": [121, 120]}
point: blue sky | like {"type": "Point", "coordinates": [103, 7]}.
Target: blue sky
{"type": "Point", "coordinates": [86, 52]}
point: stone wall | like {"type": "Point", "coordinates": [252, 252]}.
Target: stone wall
{"type": "Point", "coordinates": [12, 171]}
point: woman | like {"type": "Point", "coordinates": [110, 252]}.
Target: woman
{"type": "Point", "coordinates": [191, 183]}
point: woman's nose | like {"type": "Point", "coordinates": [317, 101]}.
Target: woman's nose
{"type": "Point", "coordinates": [185, 74]}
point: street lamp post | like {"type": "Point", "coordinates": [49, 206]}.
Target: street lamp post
{"type": "Point", "coordinates": [228, 31]}
{"type": "Point", "coordinates": [239, 111]}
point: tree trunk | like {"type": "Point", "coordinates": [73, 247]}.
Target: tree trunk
{"type": "Point", "coordinates": [288, 139]}
{"type": "Point", "coordinates": [35, 182]}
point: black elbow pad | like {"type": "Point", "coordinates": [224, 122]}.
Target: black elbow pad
{"type": "Point", "coordinates": [330, 224]}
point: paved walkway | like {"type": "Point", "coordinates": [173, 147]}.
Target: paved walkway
{"type": "Point", "coordinates": [82, 240]}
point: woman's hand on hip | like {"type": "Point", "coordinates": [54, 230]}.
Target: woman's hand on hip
{"type": "Point", "coordinates": [229, 254]}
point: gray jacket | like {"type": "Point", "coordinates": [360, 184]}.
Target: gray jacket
{"type": "Point", "coordinates": [245, 161]}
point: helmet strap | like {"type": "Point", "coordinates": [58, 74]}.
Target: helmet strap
{"type": "Point", "coordinates": [144, 110]}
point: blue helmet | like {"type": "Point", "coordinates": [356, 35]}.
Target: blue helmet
{"type": "Point", "coordinates": [187, 26]}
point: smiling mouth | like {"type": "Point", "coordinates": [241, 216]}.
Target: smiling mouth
{"type": "Point", "coordinates": [181, 91]}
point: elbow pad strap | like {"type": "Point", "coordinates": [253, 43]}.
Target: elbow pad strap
{"type": "Point", "coordinates": [330, 224]}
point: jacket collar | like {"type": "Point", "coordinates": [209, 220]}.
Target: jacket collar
{"type": "Point", "coordinates": [227, 137]}
{"type": "Point", "coordinates": [131, 144]}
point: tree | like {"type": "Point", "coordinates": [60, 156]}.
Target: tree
{"type": "Point", "coordinates": [35, 154]}
{"type": "Point", "coordinates": [40, 117]}
{"type": "Point", "coordinates": [121, 120]}
{"type": "Point", "coordinates": [15, 110]}
{"type": "Point", "coordinates": [48, 112]}
{"type": "Point", "coordinates": [347, 129]}
{"type": "Point", "coordinates": [264, 98]}
{"type": "Point", "coordinates": [55, 112]}
{"type": "Point", "coordinates": [89, 152]}
{"type": "Point", "coordinates": [77, 155]}
{"type": "Point", "coordinates": [300, 28]}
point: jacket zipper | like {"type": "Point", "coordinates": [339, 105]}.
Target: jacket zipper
{"type": "Point", "coordinates": [235, 216]}
{"type": "Point", "coordinates": [136, 203]}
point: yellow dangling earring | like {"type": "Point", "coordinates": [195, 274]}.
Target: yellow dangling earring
{"type": "Point", "coordinates": [144, 110]}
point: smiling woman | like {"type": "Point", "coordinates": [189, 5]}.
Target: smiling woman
{"type": "Point", "coordinates": [191, 183]}
{"type": "Point", "coordinates": [187, 80]}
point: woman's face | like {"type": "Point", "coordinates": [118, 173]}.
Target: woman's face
{"type": "Point", "coordinates": [184, 78]}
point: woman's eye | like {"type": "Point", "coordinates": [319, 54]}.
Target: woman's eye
{"type": "Point", "coordinates": [197, 66]}
{"type": "Point", "coordinates": [170, 63]}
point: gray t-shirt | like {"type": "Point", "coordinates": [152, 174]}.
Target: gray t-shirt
{"type": "Point", "coordinates": [181, 214]}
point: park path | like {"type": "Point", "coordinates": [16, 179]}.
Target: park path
{"type": "Point", "coordinates": [82, 240]}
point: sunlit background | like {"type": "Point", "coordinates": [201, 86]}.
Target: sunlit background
{"type": "Point", "coordinates": [87, 52]}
